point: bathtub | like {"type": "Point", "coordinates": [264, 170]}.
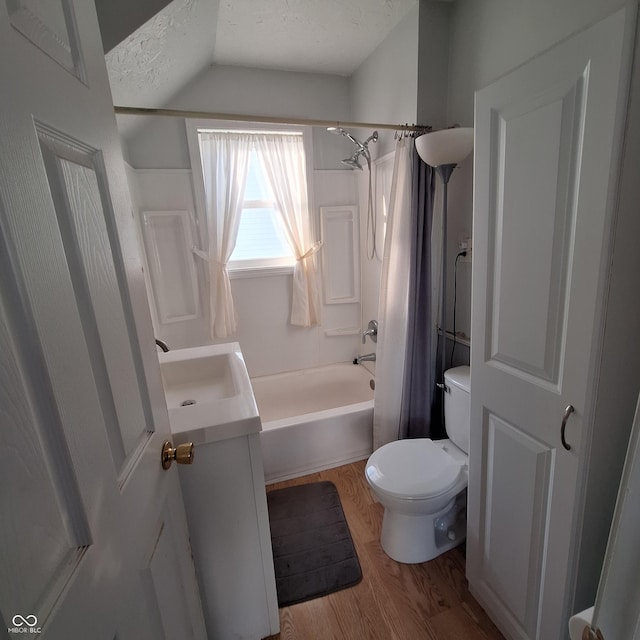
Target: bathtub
{"type": "Point", "coordinates": [314, 419]}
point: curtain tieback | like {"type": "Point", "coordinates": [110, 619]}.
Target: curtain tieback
{"type": "Point", "coordinates": [315, 247]}
{"type": "Point", "coordinates": [205, 256]}
{"type": "Point", "coordinates": [200, 253]}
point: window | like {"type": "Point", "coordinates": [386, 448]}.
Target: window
{"type": "Point", "coordinates": [252, 203]}
{"type": "Point", "coordinates": [261, 240]}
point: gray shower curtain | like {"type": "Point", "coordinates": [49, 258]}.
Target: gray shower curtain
{"type": "Point", "coordinates": [420, 410]}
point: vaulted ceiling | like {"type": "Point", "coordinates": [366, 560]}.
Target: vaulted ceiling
{"type": "Point", "coordinates": [323, 36]}
{"type": "Point", "coordinates": [330, 36]}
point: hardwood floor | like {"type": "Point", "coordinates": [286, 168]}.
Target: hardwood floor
{"type": "Point", "coordinates": [427, 601]}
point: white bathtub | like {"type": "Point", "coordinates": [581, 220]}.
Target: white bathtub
{"type": "Point", "coordinates": [314, 419]}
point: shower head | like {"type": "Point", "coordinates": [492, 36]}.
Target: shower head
{"type": "Point", "coordinates": [363, 147]}
{"type": "Point", "coordinates": [342, 132]}
{"type": "Point", "coordinates": [353, 161]}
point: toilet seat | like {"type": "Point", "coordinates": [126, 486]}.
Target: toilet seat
{"type": "Point", "coordinates": [413, 469]}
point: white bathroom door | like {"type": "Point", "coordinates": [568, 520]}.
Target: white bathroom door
{"type": "Point", "coordinates": [546, 150]}
{"type": "Point", "coordinates": [93, 539]}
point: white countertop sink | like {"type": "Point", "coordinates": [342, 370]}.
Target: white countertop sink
{"type": "Point", "coordinates": [208, 393]}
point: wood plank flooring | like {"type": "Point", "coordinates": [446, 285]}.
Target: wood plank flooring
{"type": "Point", "coordinates": [394, 601]}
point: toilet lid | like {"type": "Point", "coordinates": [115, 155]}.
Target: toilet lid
{"type": "Point", "coordinates": [414, 469]}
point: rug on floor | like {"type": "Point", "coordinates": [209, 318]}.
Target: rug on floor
{"type": "Point", "coordinates": [313, 552]}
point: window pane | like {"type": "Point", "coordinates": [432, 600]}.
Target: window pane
{"type": "Point", "coordinates": [260, 235]}
{"type": "Point", "coordinates": [257, 187]}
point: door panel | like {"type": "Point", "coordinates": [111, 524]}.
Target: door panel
{"type": "Point", "coordinates": [37, 559]}
{"type": "Point", "coordinates": [78, 187]}
{"type": "Point", "coordinates": [50, 25]}
{"type": "Point", "coordinates": [536, 159]}
{"type": "Point", "coordinates": [162, 610]}
{"type": "Point", "coordinates": [169, 596]}
{"type": "Point", "coordinates": [547, 144]}
{"type": "Point", "coordinates": [516, 501]}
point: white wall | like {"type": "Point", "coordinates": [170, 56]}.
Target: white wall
{"type": "Point", "coordinates": [403, 81]}
{"type": "Point", "coordinates": [161, 142]}
{"type": "Point", "coordinates": [620, 363]}
{"type": "Point", "coordinates": [490, 37]}
{"type": "Point", "coordinates": [433, 63]}
{"type": "Point", "coordinates": [487, 39]}
{"type": "Point", "coordinates": [384, 88]}
{"type": "Point", "coordinates": [270, 344]}
{"type": "Point", "coordinates": [162, 176]}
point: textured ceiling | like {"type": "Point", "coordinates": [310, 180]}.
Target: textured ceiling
{"type": "Point", "coordinates": [164, 54]}
{"type": "Point", "coordinates": [323, 36]}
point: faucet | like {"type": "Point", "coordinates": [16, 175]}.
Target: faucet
{"type": "Point", "coordinates": [162, 344]}
{"type": "Point", "coordinates": [372, 331]}
{"type": "Point", "coordinates": [369, 357]}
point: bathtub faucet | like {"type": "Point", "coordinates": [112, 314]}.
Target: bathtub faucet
{"type": "Point", "coordinates": [369, 357]}
{"type": "Point", "coordinates": [372, 331]}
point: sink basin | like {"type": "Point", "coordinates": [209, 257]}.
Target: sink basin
{"type": "Point", "coordinates": [197, 379]}
{"type": "Point", "coordinates": [208, 393]}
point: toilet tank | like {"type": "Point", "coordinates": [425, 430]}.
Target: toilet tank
{"type": "Point", "coordinates": [456, 406]}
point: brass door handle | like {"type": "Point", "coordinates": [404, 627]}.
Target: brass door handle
{"type": "Point", "coordinates": [567, 412]}
{"type": "Point", "coordinates": [182, 454]}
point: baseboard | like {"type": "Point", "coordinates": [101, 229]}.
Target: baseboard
{"type": "Point", "coordinates": [303, 471]}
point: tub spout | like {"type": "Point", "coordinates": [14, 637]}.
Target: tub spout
{"type": "Point", "coordinates": [369, 357]}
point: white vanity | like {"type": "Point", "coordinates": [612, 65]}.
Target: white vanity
{"type": "Point", "coordinates": [211, 404]}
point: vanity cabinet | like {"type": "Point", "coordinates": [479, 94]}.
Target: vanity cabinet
{"type": "Point", "coordinates": [226, 505]}
{"type": "Point", "coordinates": [211, 404]}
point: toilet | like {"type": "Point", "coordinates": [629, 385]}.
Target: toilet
{"type": "Point", "coordinates": [421, 483]}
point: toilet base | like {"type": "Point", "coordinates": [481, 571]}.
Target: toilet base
{"type": "Point", "coordinates": [412, 539]}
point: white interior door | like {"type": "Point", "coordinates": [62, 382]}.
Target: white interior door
{"type": "Point", "coordinates": [544, 156]}
{"type": "Point", "coordinates": [93, 540]}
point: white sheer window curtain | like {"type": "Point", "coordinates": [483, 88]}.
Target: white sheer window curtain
{"type": "Point", "coordinates": [225, 161]}
{"type": "Point", "coordinates": [285, 165]}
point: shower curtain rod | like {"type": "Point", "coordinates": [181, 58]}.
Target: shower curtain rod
{"type": "Point", "coordinates": [184, 113]}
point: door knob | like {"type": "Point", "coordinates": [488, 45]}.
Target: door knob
{"type": "Point", "coordinates": [182, 454]}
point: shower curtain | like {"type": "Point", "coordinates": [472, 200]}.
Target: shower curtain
{"type": "Point", "coordinates": [393, 304]}
{"type": "Point", "coordinates": [420, 405]}
{"type": "Point", "coordinates": [406, 358]}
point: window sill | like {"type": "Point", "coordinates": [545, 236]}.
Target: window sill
{"type": "Point", "coordinates": [260, 272]}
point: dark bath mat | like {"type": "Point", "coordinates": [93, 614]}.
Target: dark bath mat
{"type": "Point", "coordinates": [313, 552]}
